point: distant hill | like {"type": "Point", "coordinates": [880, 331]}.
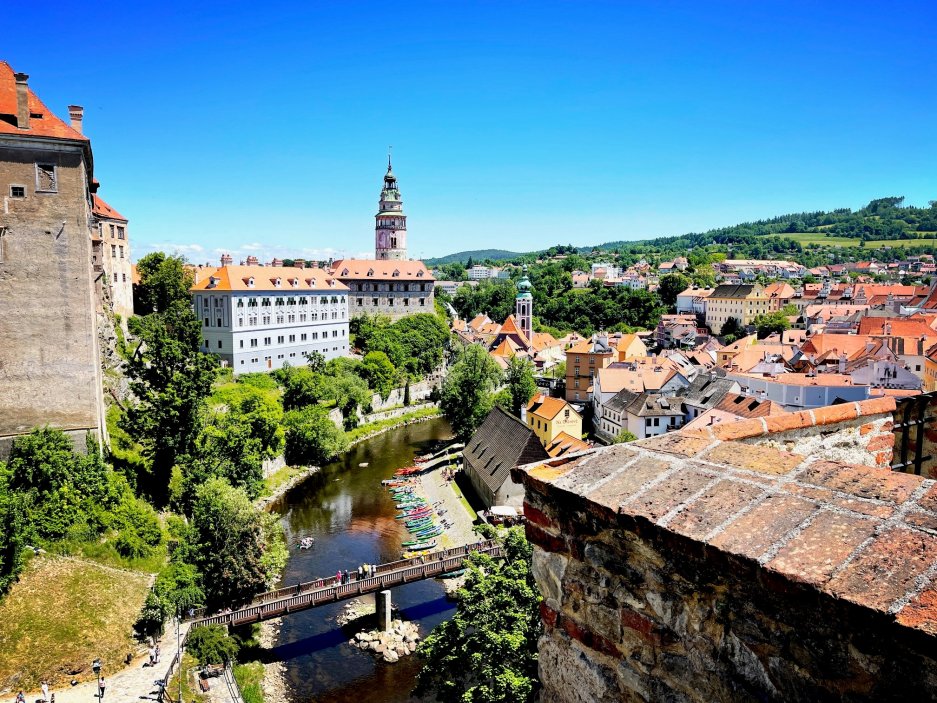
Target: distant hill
{"type": "Point", "coordinates": [478, 255]}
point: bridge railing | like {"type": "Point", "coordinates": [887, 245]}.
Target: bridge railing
{"type": "Point", "coordinates": [405, 573]}
{"type": "Point", "coordinates": [325, 582]}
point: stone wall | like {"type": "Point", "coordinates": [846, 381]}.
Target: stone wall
{"type": "Point", "coordinates": [49, 362]}
{"type": "Point", "coordinates": [685, 568]}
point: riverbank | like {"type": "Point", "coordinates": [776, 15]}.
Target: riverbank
{"type": "Point", "coordinates": [275, 684]}
{"type": "Point", "coordinates": [279, 487]}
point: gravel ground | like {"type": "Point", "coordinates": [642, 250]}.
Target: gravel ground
{"type": "Point", "coordinates": [437, 489]}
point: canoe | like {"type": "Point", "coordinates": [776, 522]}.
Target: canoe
{"type": "Point", "coordinates": [419, 522]}
{"type": "Point", "coordinates": [419, 544]}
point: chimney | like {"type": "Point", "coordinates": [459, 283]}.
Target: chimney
{"type": "Point", "coordinates": [226, 260]}
{"type": "Point", "coordinates": [76, 114]}
{"type": "Point", "coordinates": [22, 100]}
{"type": "Point", "coordinates": [842, 363]}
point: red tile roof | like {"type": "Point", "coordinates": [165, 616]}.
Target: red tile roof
{"type": "Point", "coordinates": [103, 210]}
{"type": "Point", "coordinates": [42, 122]}
{"type": "Point", "coordinates": [236, 278]}
{"type": "Point", "coordinates": [381, 269]}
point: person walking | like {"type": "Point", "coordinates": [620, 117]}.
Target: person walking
{"type": "Point", "coordinates": [45, 691]}
{"type": "Point", "coordinates": [338, 577]}
{"type": "Point", "coordinates": [151, 655]}
{"type": "Point", "coordinates": [157, 652]}
{"type": "Point", "coordinates": [101, 686]}
{"type": "Point", "coordinates": [346, 575]}
{"type": "Point", "coordinates": [20, 697]}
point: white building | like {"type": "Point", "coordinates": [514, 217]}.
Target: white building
{"type": "Point", "coordinates": [257, 318]}
{"type": "Point", "coordinates": [479, 272]}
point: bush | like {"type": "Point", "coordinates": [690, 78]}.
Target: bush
{"type": "Point", "coordinates": [311, 437]}
{"type": "Point", "coordinates": [210, 644]}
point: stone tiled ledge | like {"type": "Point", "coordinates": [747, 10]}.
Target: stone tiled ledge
{"type": "Point", "coordinates": [864, 536]}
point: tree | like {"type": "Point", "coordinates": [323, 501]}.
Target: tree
{"type": "Point", "coordinates": [519, 379]}
{"type": "Point", "coordinates": [170, 378]}
{"type": "Point", "coordinates": [466, 395]}
{"type": "Point", "coordinates": [379, 373]}
{"type": "Point", "coordinates": [311, 437]}
{"type": "Point", "coordinates": [487, 652]}
{"type": "Point", "coordinates": [671, 286]}
{"type": "Point", "coordinates": [771, 323]}
{"type": "Point", "coordinates": [211, 644]}
{"type": "Point", "coordinates": [624, 436]}
{"type": "Point", "coordinates": [227, 544]}
{"type": "Point", "coordinates": [303, 386]}
{"type": "Point", "coordinates": [163, 281]}
{"type": "Point", "coordinates": [731, 328]}
{"type": "Point", "coordinates": [351, 394]}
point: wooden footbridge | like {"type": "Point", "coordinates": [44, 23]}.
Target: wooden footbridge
{"type": "Point", "coordinates": [311, 594]}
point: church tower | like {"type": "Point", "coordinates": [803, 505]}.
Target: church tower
{"type": "Point", "coordinates": [390, 230]}
{"type": "Point", "coordinates": [524, 307]}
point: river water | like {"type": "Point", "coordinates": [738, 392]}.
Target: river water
{"type": "Point", "coordinates": [351, 517]}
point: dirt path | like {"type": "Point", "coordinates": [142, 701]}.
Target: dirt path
{"type": "Point", "coordinates": [135, 682]}
{"type": "Point", "coordinates": [436, 489]}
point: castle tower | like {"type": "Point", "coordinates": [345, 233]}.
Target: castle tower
{"type": "Point", "coordinates": [390, 230]}
{"type": "Point", "coordinates": [524, 307]}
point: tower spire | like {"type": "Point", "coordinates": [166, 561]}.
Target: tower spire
{"type": "Point", "coordinates": [390, 234]}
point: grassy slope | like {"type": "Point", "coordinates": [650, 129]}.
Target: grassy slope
{"type": "Point", "coordinates": [806, 238]}
{"type": "Point", "coordinates": [63, 613]}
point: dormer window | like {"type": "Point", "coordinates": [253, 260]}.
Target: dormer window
{"type": "Point", "coordinates": [277, 282]}
{"type": "Point", "coordinates": [370, 272]}
{"type": "Point", "coordinates": [344, 272]}
{"type": "Point", "coordinates": [295, 283]}
{"type": "Point", "coordinates": [250, 282]}
{"type": "Point", "coordinates": [213, 281]}
{"type": "Point", "coordinates": [419, 274]}
{"type": "Point", "coordinates": [395, 273]}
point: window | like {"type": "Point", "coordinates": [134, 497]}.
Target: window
{"type": "Point", "coordinates": [359, 302]}
{"type": "Point", "coordinates": [113, 250]}
{"type": "Point", "coordinates": [115, 278]}
{"type": "Point", "coordinates": [267, 341]}
{"type": "Point", "coordinates": [46, 178]}
{"type": "Point", "coordinates": [292, 337]}
{"type": "Point", "coordinates": [125, 278]}
{"type": "Point", "coordinates": [120, 233]}
{"type": "Point", "coordinates": [242, 346]}
{"type": "Point", "coordinates": [113, 229]}
{"type": "Point", "coordinates": [121, 251]}
{"type": "Point", "coordinates": [17, 191]}
{"type": "Point", "coordinates": [374, 302]}
{"type": "Point", "coordinates": [207, 322]}
{"type": "Point", "coordinates": [302, 338]}
{"type": "Point", "coordinates": [218, 319]}
{"type": "Point", "coordinates": [219, 344]}
{"type": "Point", "coordinates": [253, 342]}
{"type": "Point", "coordinates": [280, 339]}
{"type": "Point", "coordinates": [423, 302]}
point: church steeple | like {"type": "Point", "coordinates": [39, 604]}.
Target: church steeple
{"type": "Point", "coordinates": [524, 306]}
{"type": "Point", "coordinates": [390, 230]}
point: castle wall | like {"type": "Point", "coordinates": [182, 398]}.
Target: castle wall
{"type": "Point", "coordinates": [685, 568]}
{"type": "Point", "coordinates": [49, 368]}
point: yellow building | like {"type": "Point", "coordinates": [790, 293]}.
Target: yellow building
{"type": "Point", "coordinates": [742, 302]}
{"type": "Point", "coordinates": [930, 371]}
{"type": "Point", "coordinates": [548, 417]}
{"type": "Point", "coordinates": [630, 346]}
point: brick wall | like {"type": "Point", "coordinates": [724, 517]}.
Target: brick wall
{"type": "Point", "coordinates": [686, 568]}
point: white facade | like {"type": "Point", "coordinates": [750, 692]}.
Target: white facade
{"type": "Point", "coordinates": [477, 273]}
{"type": "Point", "coordinates": [262, 330]}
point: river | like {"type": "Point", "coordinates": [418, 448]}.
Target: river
{"type": "Point", "coordinates": [351, 517]}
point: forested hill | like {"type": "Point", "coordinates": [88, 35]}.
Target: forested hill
{"type": "Point", "coordinates": [796, 235]}
{"type": "Point", "coordinates": [476, 256]}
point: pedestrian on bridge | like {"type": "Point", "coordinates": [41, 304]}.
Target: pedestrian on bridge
{"type": "Point", "coordinates": [346, 576]}
{"type": "Point", "coordinates": [338, 577]}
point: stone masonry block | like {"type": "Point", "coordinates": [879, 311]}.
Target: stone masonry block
{"type": "Point", "coordinates": [714, 507]}
{"type": "Point", "coordinates": [667, 495]}
{"type": "Point", "coordinates": [675, 443]}
{"type": "Point", "coordinates": [886, 570]}
{"type": "Point", "coordinates": [813, 555]}
{"type": "Point", "coordinates": [752, 534]}
{"type": "Point", "coordinates": [625, 484]}
{"type": "Point", "coordinates": [753, 458]}
{"type": "Point", "coordinates": [865, 483]}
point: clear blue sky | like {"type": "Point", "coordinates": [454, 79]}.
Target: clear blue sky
{"type": "Point", "coordinates": [252, 126]}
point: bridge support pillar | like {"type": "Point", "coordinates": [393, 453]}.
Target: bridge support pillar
{"type": "Point", "coordinates": [383, 610]}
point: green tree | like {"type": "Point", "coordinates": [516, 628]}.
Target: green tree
{"type": "Point", "coordinates": [163, 281]}
{"type": "Point", "coordinates": [211, 644]}
{"type": "Point", "coordinates": [771, 323]}
{"type": "Point", "coordinates": [671, 286]}
{"type": "Point", "coordinates": [312, 438]}
{"type": "Point", "coordinates": [171, 379]}
{"type": "Point", "coordinates": [519, 380]}
{"type": "Point", "coordinates": [624, 436]}
{"type": "Point", "coordinates": [731, 328]}
{"type": "Point", "coordinates": [227, 544]}
{"type": "Point", "coordinates": [351, 395]}
{"type": "Point", "coordinates": [466, 396]}
{"type": "Point", "coordinates": [487, 652]}
{"type": "Point", "coordinates": [379, 373]}
{"type": "Point", "coordinates": [303, 386]}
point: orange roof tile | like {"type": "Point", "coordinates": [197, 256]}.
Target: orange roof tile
{"type": "Point", "coordinates": [897, 326]}
{"type": "Point", "coordinates": [236, 278]}
{"type": "Point", "coordinates": [381, 269]}
{"type": "Point", "coordinates": [564, 443]}
{"type": "Point", "coordinates": [103, 210]}
{"type": "Point", "coordinates": [546, 407]}
{"type": "Point", "coordinates": [508, 348]}
{"type": "Point", "coordinates": [42, 122]}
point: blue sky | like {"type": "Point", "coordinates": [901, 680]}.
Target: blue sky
{"type": "Point", "coordinates": [263, 127]}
